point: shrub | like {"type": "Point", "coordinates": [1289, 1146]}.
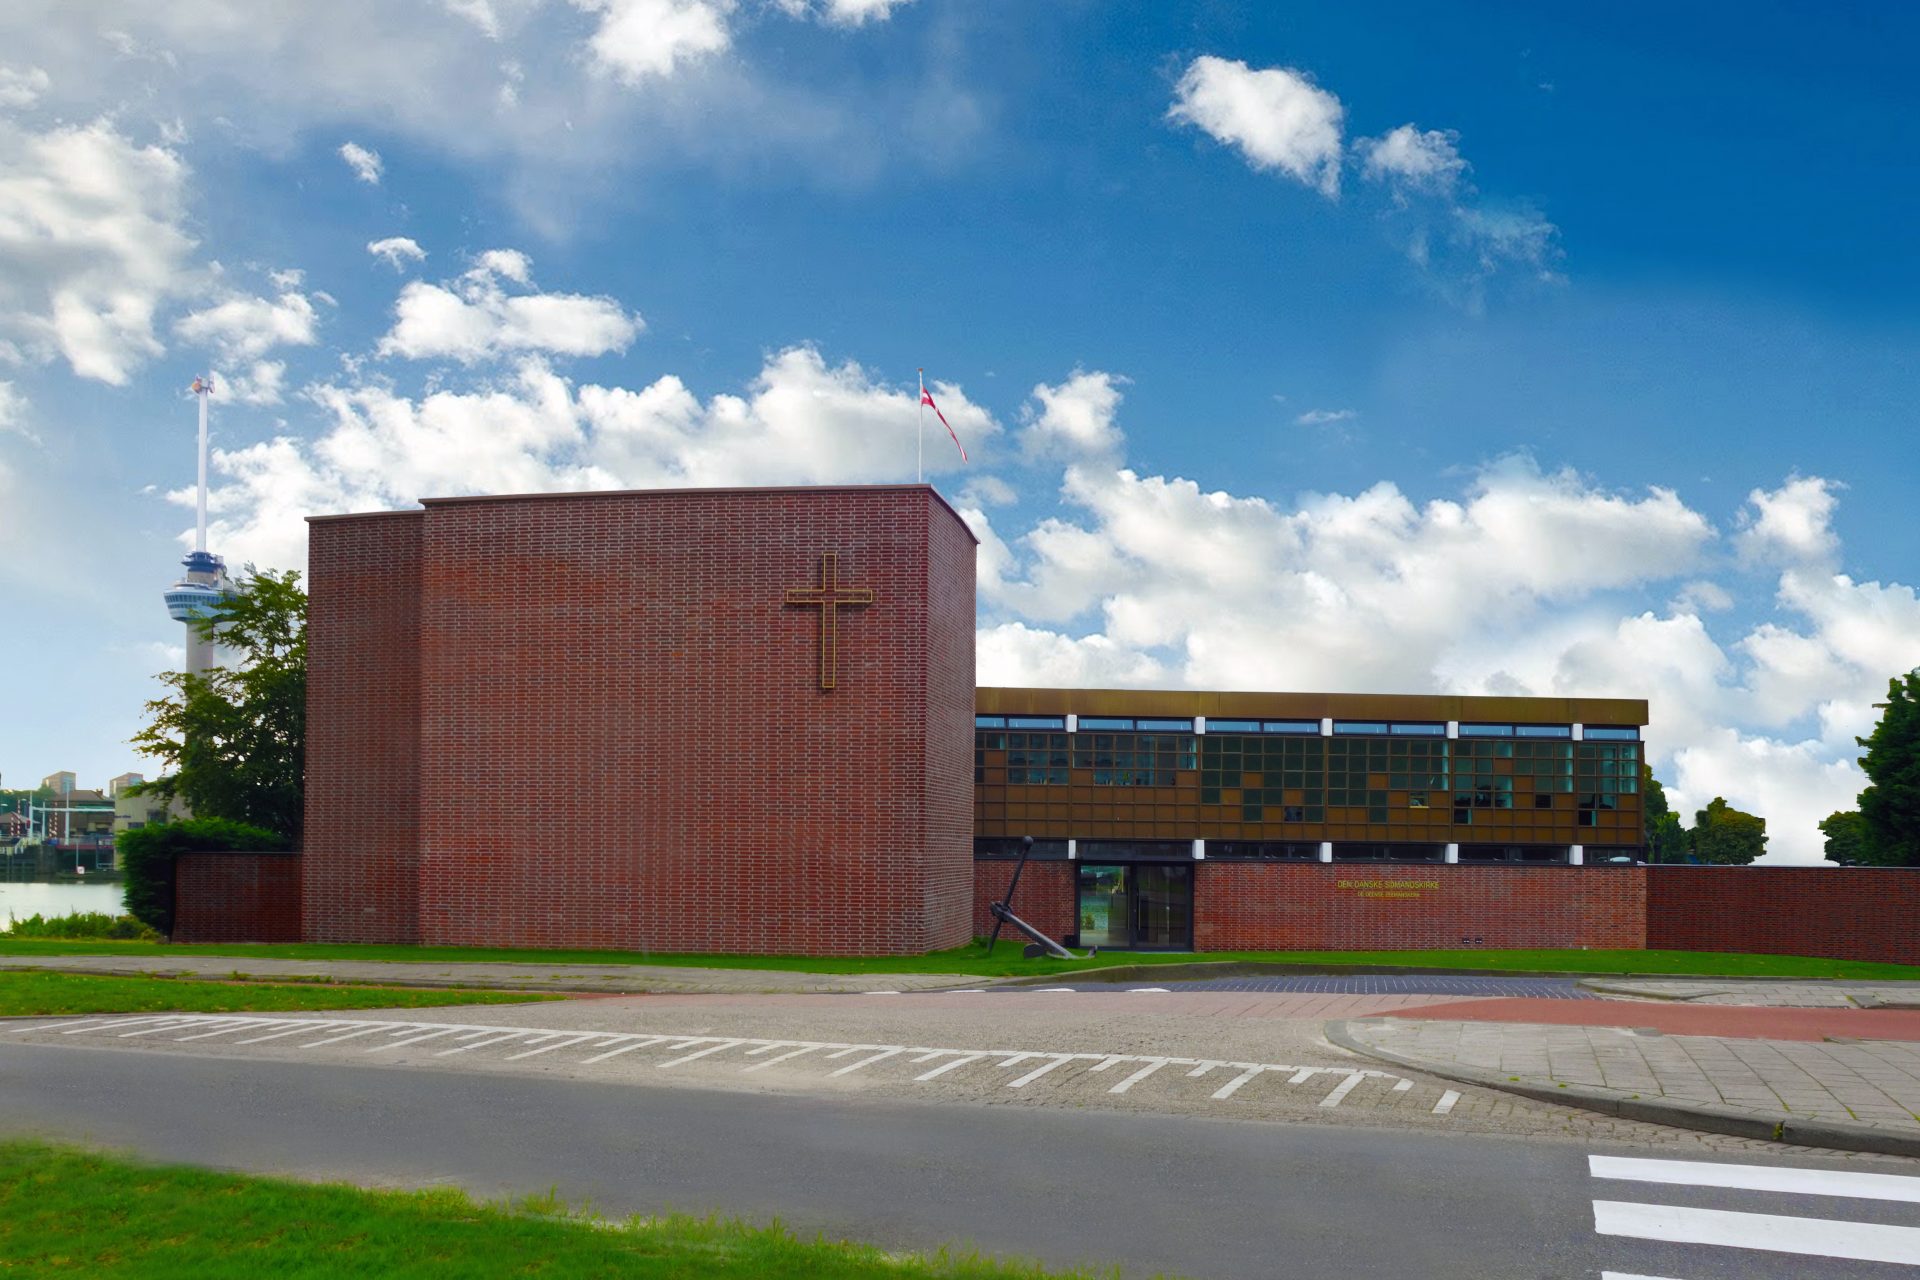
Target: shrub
{"type": "Point", "coordinates": [81, 924]}
{"type": "Point", "coordinates": [146, 857]}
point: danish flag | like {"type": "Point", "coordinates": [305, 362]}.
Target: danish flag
{"type": "Point", "coordinates": [926, 398]}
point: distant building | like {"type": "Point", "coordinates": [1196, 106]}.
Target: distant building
{"type": "Point", "coordinates": [116, 785]}
{"type": "Point", "coordinates": [131, 812]}
{"type": "Point", "coordinates": [60, 783]}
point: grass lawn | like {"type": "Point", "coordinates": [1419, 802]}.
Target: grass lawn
{"type": "Point", "coordinates": [31, 993]}
{"type": "Point", "coordinates": [1006, 961]}
{"type": "Point", "coordinates": [70, 1213]}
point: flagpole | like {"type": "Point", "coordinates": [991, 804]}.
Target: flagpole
{"type": "Point", "coordinates": [920, 435]}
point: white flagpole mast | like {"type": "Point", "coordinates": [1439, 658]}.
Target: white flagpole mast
{"type": "Point", "coordinates": [203, 390]}
{"type": "Point", "coordinates": [920, 435]}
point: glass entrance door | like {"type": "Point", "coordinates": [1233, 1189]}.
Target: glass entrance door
{"type": "Point", "coordinates": [1147, 906]}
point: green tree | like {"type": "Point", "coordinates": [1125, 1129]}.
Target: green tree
{"type": "Point", "coordinates": [1724, 836]}
{"type": "Point", "coordinates": [1666, 838]}
{"type": "Point", "coordinates": [1849, 842]}
{"type": "Point", "coordinates": [234, 740]}
{"type": "Point", "coordinates": [1891, 803]}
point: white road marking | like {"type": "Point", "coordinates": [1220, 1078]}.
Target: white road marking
{"type": "Point", "coordinates": [1815, 1237]}
{"type": "Point", "coordinates": [532, 1053]}
{"type": "Point", "coordinates": [969, 991]}
{"type": "Point", "coordinates": [1232, 1086]}
{"type": "Point", "coordinates": [1341, 1090]}
{"type": "Point", "coordinates": [1135, 991]}
{"type": "Point", "coordinates": [364, 1031]}
{"type": "Point", "coordinates": [951, 1066]}
{"type": "Point", "coordinates": [640, 1043]}
{"type": "Point", "coordinates": [1621, 1275]}
{"type": "Point", "coordinates": [879, 993]}
{"type": "Point", "coordinates": [395, 1044]}
{"type": "Point", "coordinates": [791, 1053]}
{"type": "Point", "coordinates": [1757, 1177]}
{"type": "Point", "coordinates": [1153, 1065]}
{"type": "Point", "coordinates": [535, 1041]}
{"type": "Point", "coordinates": [1039, 1071]}
{"type": "Point", "coordinates": [865, 1062]}
{"type": "Point", "coordinates": [697, 1054]}
{"type": "Point", "coordinates": [1041, 991]}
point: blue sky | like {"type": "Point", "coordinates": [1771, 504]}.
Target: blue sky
{"type": "Point", "coordinates": [1422, 347]}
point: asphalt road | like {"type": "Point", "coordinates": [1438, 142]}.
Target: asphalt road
{"type": "Point", "coordinates": [1150, 1193]}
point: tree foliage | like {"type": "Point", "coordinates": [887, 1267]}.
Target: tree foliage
{"type": "Point", "coordinates": [234, 740]}
{"type": "Point", "coordinates": [1849, 843]}
{"type": "Point", "coordinates": [1666, 838]}
{"type": "Point", "coordinates": [146, 855]}
{"type": "Point", "coordinates": [1890, 805]}
{"type": "Point", "coordinates": [1724, 836]}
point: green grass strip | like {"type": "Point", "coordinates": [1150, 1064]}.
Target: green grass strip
{"type": "Point", "coordinates": [1006, 961]}
{"type": "Point", "coordinates": [35, 993]}
{"type": "Point", "coordinates": [71, 1213]}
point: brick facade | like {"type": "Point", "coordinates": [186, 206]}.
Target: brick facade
{"type": "Point", "coordinates": [237, 897]}
{"type": "Point", "coordinates": [1849, 913]}
{"type": "Point", "coordinates": [612, 724]}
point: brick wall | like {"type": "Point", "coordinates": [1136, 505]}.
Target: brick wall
{"type": "Point", "coordinates": [1848, 913]}
{"type": "Point", "coordinates": [1044, 899]}
{"type": "Point", "coordinates": [237, 897]}
{"type": "Point", "coordinates": [362, 828]}
{"type": "Point", "coordinates": [1310, 906]}
{"type": "Point", "coordinates": [616, 727]}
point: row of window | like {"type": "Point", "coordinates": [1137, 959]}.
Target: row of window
{"type": "Point", "coordinates": [996, 847]}
{"type": "Point", "coordinates": [1357, 728]}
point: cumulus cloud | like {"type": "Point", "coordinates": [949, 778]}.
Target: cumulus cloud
{"type": "Point", "coordinates": [641, 39]}
{"type": "Point", "coordinates": [92, 243]}
{"type": "Point", "coordinates": [474, 318]}
{"type": "Point", "coordinates": [364, 162]}
{"type": "Point", "coordinates": [1791, 525]}
{"type": "Point", "coordinates": [841, 13]}
{"type": "Point", "coordinates": [1324, 417]}
{"type": "Point", "coordinates": [22, 86]}
{"type": "Point", "coordinates": [1074, 419]}
{"type": "Point", "coordinates": [1414, 159]}
{"type": "Point", "coordinates": [259, 383]}
{"type": "Point", "coordinates": [800, 421]}
{"type": "Point", "coordinates": [1277, 117]}
{"type": "Point", "coordinates": [397, 251]}
{"type": "Point", "coordinates": [245, 327]}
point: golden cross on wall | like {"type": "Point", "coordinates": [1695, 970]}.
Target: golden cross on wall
{"type": "Point", "coordinates": [829, 597]}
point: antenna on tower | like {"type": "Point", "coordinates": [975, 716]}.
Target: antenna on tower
{"type": "Point", "coordinates": [205, 588]}
{"type": "Point", "coordinates": [203, 391]}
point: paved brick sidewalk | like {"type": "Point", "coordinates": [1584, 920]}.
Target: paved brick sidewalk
{"type": "Point", "coordinates": [1858, 1095]}
{"type": "Point", "coordinates": [1837, 993]}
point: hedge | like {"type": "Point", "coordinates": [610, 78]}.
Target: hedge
{"type": "Point", "coordinates": [147, 856]}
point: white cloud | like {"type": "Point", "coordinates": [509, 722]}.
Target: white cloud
{"type": "Point", "coordinates": [397, 251]}
{"type": "Point", "coordinates": [1013, 654]}
{"type": "Point", "coordinates": [92, 242]}
{"type": "Point", "coordinates": [245, 327]}
{"type": "Point", "coordinates": [22, 87]}
{"type": "Point", "coordinates": [13, 408]}
{"type": "Point", "coordinates": [1075, 419]}
{"type": "Point", "coordinates": [473, 318]}
{"type": "Point", "coordinates": [1791, 525]}
{"type": "Point", "coordinates": [1322, 417]}
{"type": "Point", "coordinates": [841, 13]}
{"type": "Point", "coordinates": [365, 163]}
{"type": "Point", "coordinates": [260, 383]}
{"type": "Point", "coordinates": [1413, 159]}
{"type": "Point", "coordinates": [801, 421]}
{"type": "Point", "coordinates": [1277, 117]}
{"type": "Point", "coordinates": [641, 39]}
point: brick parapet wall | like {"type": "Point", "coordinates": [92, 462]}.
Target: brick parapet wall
{"type": "Point", "coordinates": [237, 897]}
{"type": "Point", "coordinates": [362, 828]}
{"type": "Point", "coordinates": [1848, 913]}
{"type": "Point", "coordinates": [948, 773]}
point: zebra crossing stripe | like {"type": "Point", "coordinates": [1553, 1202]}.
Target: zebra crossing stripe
{"type": "Point", "coordinates": [1759, 1177]}
{"type": "Point", "coordinates": [1772, 1233]}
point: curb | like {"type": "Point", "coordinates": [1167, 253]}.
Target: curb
{"type": "Point", "coordinates": [1835, 1135]}
{"type": "Point", "coordinates": [422, 982]}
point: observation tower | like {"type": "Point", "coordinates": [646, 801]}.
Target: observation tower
{"type": "Point", "coordinates": [205, 587]}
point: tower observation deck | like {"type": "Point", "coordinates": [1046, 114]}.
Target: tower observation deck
{"type": "Point", "coordinates": [205, 587]}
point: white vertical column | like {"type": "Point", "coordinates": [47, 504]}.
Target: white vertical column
{"type": "Point", "coordinates": [1577, 854]}
{"type": "Point", "coordinates": [1579, 732]}
{"type": "Point", "coordinates": [1453, 728]}
{"type": "Point", "coordinates": [1326, 851]}
{"type": "Point", "coordinates": [1073, 724]}
{"type": "Point", "coordinates": [1326, 727]}
{"type": "Point", "coordinates": [1453, 853]}
{"type": "Point", "coordinates": [1199, 850]}
{"type": "Point", "coordinates": [1073, 850]}
{"type": "Point", "coordinates": [1200, 724]}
